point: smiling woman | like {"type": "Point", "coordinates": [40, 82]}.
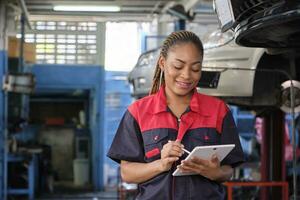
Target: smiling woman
{"type": "Point", "coordinates": [154, 130]}
{"type": "Point", "coordinates": [181, 69]}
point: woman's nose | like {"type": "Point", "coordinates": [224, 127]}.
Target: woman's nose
{"type": "Point", "coordinates": [186, 73]}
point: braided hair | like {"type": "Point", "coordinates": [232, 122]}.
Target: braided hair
{"type": "Point", "coordinates": [174, 38]}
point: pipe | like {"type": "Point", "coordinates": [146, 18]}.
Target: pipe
{"type": "Point", "coordinates": [25, 11]}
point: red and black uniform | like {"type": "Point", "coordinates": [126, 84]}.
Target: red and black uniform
{"type": "Point", "coordinates": [148, 124]}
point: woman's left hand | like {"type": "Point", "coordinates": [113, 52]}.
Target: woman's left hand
{"type": "Point", "coordinates": [210, 169]}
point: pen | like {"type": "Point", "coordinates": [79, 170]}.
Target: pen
{"type": "Point", "coordinates": [186, 151]}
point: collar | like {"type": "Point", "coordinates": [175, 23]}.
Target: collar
{"type": "Point", "coordinates": [159, 102]}
{"type": "Point", "coordinates": [197, 103]}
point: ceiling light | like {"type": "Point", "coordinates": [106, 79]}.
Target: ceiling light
{"type": "Point", "coordinates": [77, 8]}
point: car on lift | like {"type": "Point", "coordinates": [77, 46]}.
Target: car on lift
{"type": "Point", "coordinates": [246, 75]}
{"type": "Point", "coordinates": [273, 25]}
{"type": "Point", "coordinates": [239, 75]}
{"type": "Point", "coordinates": [261, 23]}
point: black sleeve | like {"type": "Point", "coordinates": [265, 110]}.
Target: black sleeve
{"type": "Point", "coordinates": [230, 135]}
{"type": "Point", "coordinates": [127, 144]}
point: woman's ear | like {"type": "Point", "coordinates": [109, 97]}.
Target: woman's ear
{"type": "Point", "coordinates": [161, 62]}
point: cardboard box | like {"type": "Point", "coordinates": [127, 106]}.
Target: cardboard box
{"type": "Point", "coordinates": [14, 50]}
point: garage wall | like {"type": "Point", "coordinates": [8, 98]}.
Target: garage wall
{"type": "Point", "coordinates": [3, 67]}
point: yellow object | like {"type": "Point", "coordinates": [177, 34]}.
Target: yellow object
{"type": "Point", "coordinates": [14, 50]}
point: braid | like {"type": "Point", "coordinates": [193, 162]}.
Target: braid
{"type": "Point", "coordinates": [173, 39]}
{"type": "Point", "coordinates": [156, 77]}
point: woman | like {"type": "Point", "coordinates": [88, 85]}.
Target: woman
{"type": "Point", "coordinates": [154, 130]}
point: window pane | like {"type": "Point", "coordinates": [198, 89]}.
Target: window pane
{"type": "Point", "coordinates": [67, 48]}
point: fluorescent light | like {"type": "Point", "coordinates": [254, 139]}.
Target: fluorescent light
{"type": "Point", "coordinates": [77, 8]}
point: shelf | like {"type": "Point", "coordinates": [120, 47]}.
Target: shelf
{"type": "Point", "coordinates": [30, 171]}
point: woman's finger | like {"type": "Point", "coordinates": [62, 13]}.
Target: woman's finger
{"type": "Point", "coordinates": [215, 159]}
{"type": "Point", "coordinates": [175, 153]}
{"type": "Point", "coordinates": [191, 167]}
{"type": "Point", "coordinates": [199, 161]}
{"type": "Point", "coordinates": [178, 149]}
{"type": "Point", "coordinates": [176, 143]}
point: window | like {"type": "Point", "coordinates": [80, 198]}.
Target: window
{"type": "Point", "coordinates": [64, 42]}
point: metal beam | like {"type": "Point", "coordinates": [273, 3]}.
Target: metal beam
{"type": "Point", "coordinates": [3, 27]}
{"type": "Point", "coordinates": [189, 4]}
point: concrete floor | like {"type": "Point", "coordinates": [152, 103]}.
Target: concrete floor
{"type": "Point", "coordinates": [82, 196]}
{"type": "Point", "coordinates": [67, 190]}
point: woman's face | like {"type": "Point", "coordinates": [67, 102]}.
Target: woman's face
{"type": "Point", "coordinates": [182, 69]}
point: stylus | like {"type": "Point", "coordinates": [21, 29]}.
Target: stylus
{"type": "Point", "coordinates": [186, 151]}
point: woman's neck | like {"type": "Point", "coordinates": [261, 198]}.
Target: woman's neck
{"type": "Point", "coordinates": [178, 104]}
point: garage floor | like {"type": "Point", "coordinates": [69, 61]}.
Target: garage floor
{"type": "Point", "coordinates": [67, 190]}
{"type": "Point", "coordinates": [82, 196]}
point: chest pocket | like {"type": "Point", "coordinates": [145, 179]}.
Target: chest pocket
{"type": "Point", "coordinates": [202, 137]}
{"type": "Point", "coordinates": [154, 140]}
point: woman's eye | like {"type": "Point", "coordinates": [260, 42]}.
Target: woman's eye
{"type": "Point", "coordinates": [196, 70]}
{"type": "Point", "coordinates": [177, 66]}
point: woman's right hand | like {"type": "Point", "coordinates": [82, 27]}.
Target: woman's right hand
{"type": "Point", "coordinates": [170, 153]}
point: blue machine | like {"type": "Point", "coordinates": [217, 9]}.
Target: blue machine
{"type": "Point", "coordinates": [59, 79]}
{"type": "Point", "coordinates": [62, 78]}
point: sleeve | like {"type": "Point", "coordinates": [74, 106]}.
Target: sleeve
{"type": "Point", "coordinates": [230, 135]}
{"type": "Point", "coordinates": [127, 143]}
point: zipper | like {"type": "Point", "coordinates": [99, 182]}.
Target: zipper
{"type": "Point", "coordinates": [177, 162]}
{"type": "Point", "coordinates": [178, 122]}
{"type": "Point", "coordinates": [174, 167]}
{"type": "Point", "coordinates": [172, 196]}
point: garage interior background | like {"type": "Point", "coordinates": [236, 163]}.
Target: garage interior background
{"type": "Point", "coordinates": [66, 88]}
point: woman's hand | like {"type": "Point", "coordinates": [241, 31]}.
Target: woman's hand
{"type": "Point", "coordinates": [170, 153]}
{"type": "Point", "coordinates": [210, 169]}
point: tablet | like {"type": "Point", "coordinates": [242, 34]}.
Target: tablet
{"type": "Point", "coordinates": [206, 152]}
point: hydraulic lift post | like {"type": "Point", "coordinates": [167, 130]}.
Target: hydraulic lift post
{"type": "Point", "coordinates": [272, 153]}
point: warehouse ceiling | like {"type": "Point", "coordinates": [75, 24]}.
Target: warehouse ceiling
{"type": "Point", "coordinates": [130, 10]}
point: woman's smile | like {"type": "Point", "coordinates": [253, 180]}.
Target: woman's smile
{"type": "Point", "coordinates": [184, 85]}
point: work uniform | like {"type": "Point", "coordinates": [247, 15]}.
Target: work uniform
{"type": "Point", "coordinates": [148, 124]}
